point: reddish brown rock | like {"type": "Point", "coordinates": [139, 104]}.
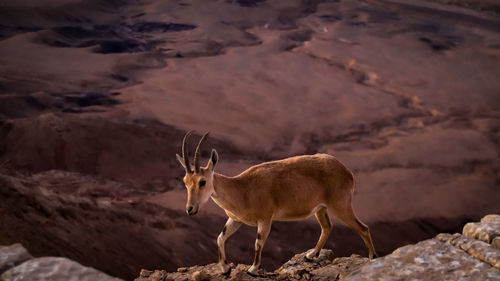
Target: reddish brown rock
{"type": "Point", "coordinates": [427, 261]}
{"type": "Point", "coordinates": [476, 248]}
{"type": "Point", "coordinates": [324, 267]}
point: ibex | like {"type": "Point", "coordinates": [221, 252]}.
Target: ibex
{"type": "Point", "coordinates": [284, 190]}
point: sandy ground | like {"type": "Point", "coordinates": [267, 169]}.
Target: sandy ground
{"type": "Point", "coordinates": [405, 93]}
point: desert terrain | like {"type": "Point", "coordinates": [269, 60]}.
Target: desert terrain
{"type": "Point", "coordinates": [96, 95]}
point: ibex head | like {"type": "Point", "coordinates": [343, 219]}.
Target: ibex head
{"type": "Point", "coordinates": [198, 180]}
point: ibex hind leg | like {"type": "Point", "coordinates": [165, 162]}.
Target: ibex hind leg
{"type": "Point", "coordinates": [347, 216]}
{"type": "Point", "coordinates": [326, 229]}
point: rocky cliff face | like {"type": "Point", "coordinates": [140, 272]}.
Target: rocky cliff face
{"type": "Point", "coordinates": [473, 255]}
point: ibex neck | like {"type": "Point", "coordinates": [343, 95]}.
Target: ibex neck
{"type": "Point", "coordinates": [221, 184]}
{"type": "Point", "coordinates": [223, 194]}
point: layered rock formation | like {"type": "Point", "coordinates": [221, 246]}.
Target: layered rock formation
{"type": "Point", "coordinates": [472, 255]}
{"type": "Point", "coordinates": [447, 257]}
{"type": "Point", "coordinates": [487, 230]}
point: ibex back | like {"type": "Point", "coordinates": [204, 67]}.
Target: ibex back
{"type": "Point", "coordinates": [289, 189]}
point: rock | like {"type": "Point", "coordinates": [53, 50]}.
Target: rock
{"type": "Point", "coordinates": [323, 267]}
{"type": "Point", "coordinates": [198, 273]}
{"type": "Point", "coordinates": [447, 257]}
{"type": "Point", "coordinates": [467, 257]}
{"type": "Point", "coordinates": [339, 268]}
{"type": "Point", "coordinates": [487, 230]}
{"type": "Point", "coordinates": [12, 255]}
{"type": "Point", "coordinates": [159, 275]}
{"type": "Point", "coordinates": [299, 265]}
{"type": "Point", "coordinates": [476, 248]}
{"type": "Point", "coordinates": [156, 275]}
{"type": "Point", "coordinates": [239, 273]}
{"type": "Point", "coordinates": [199, 276]}
{"type": "Point", "coordinates": [496, 242]}
{"type": "Point", "coordinates": [297, 268]}
{"type": "Point", "coordinates": [54, 269]}
{"type": "Point", "coordinates": [145, 273]}
{"type": "Point", "coordinates": [428, 260]}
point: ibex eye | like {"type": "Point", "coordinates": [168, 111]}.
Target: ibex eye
{"type": "Point", "coordinates": [202, 183]}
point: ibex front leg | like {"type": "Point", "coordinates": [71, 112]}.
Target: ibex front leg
{"type": "Point", "coordinates": [228, 230]}
{"type": "Point", "coordinates": [263, 229]}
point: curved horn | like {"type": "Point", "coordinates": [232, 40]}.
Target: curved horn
{"type": "Point", "coordinates": [185, 156]}
{"type": "Point", "coordinates": [198, 152]}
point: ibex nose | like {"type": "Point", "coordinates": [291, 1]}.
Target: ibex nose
{"type": "Point", "coordinates": [190, 210]}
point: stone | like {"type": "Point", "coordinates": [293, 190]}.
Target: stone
{"type": "Point", "coordinates": [456, 257]}
{"type": "Point", "coordinates": [471, 256]}
{"type": "Point", "coordinates": [486, 230]}
{"type": "Point", "coordinates": [13, 255]}
{"type": "Point", "coordinates": [425, 261]}
{"type": "Point", "coordinates": [199, 276]}
{"type": "Point", "coordinates": [239, 273]}
{"type": "Point", "coordinates": [198, 273]}
{"type": "Point", "coordinates": [297, 268]}
{"type": "Point", "coordinates": [145, 273]}
{"type": "Point", "coordinates": [153, 275]}
{"type": "Point", "coordinates": [339, 268]}
{"type": "Point", "coordinates": [476, 248]}
{"type": "Point", "coordinates": [54, 269]}
{"type": "Point", "coordinates": [496, 242]}
{"type": "Point", "coordinates": [159, 275]}
{"type": "Point", "coordinates": [299, 265]}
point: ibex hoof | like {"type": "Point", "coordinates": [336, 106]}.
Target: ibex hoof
{"type": "Point", "coordinates": [311, 255]}
{"type": "Point", "coordinates": [224, 267]}
{"type": "Point", "coordinates": [254, 270]}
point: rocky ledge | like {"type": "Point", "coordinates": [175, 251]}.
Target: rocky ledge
{"type": "Point", "coordinates": [472, 255]}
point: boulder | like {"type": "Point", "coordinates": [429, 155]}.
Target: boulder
{"type": "Point", "coordinates": [299, 265]}
{"type": "Point", "coordinates": [207, 272]}
{"type": "Point", "coordinates": [12, 255]}
{"type": "Point", "coordinates": [339, 268]}
{"type": "Point", "coordinates": [54, 269]}
{"type": "Point", "coordinates": [487, 230]}
{"type": "Point", "coordinates": [323, 267]}
{"type": "Point", "coordinates": [476, 248]}
{"type": "Point", "coordinates": [428, 260]}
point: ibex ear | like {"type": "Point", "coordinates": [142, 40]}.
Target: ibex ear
{"type": "Point", "coordinates": [214, 157]}
{"type": "Point", "coordinates": [181, 160]}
